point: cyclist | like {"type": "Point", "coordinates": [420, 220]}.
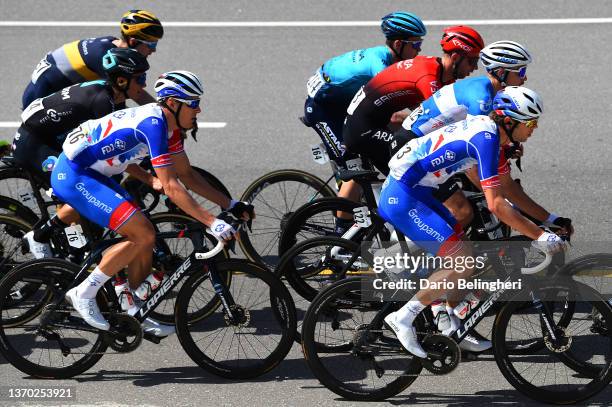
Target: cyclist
{"type": "Point", "coordinates": [81, 60]}
{"type": "Point", "coordinates": [403, 85]}
{"type": "Point", "coordinates": [112, 144]}
{"type": "Point", "coordinates": [332, 87]}
{"type": "Point", "coordinates": [506, 65]}
{"type": "Point", "coordinates": [46, 121]}
{"type": "Point", "coordinates": [408, 202]}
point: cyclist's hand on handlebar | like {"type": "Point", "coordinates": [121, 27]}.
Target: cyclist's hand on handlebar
{"type": "Point", "coordinates": [222, 230]}
{"type": "Point", "coordinates": [242, 210]}
{"type": "Point", "coordinates": [551, 243]}
{"type": "Point", "coordinates": [565, 224]}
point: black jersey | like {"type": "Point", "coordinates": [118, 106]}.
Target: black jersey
{"type": "Point", "coordinates": [51, 117]}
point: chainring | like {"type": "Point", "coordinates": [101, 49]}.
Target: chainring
{"type": "Point", "coordinates": [444, 354]}
{"type": "Point", "coordinates": [125, 334]}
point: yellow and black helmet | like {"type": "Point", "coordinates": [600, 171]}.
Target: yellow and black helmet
{"type": "Point", "coordinates": [142, 25]}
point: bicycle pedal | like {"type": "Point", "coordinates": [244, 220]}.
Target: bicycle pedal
{"type": "Point", "coordinates": [152, 338]}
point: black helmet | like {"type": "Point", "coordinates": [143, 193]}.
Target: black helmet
{"type": "Point", "coordinates": [125, 62]}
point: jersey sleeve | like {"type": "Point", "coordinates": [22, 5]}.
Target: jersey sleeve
{"type": "Point", "coordinates": [175, 142]}
{"type": "Point", "coordinates": [153, 132]}
{"type": "Point", "coordinates": [484, 148]}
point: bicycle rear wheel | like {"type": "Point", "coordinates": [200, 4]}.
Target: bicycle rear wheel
{"type": "Point", "coordinates": [575, 366]}
{"type": "Point", "coordinates": [42, 342]}
{"type": "Point", "coordinates": [276, 196]}
{"type": "Point", "coordinates": [349, 354]}
{"type": "Point", "coordinates": [257, 341]}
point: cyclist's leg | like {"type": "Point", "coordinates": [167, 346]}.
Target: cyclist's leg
{"type": "Point", "coordinates": [34, 155]}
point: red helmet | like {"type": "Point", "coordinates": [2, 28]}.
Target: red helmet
{"type": "Point", "coordinates": [462, 39]}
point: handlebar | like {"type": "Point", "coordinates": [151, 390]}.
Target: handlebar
{"type": "Point", "coordinates": [536, 269]}
{"type": "Point", "coordinates": [237, 224]}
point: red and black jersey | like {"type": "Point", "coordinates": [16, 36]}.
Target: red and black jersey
{"type": "Point", "coordinates": [405, 84]}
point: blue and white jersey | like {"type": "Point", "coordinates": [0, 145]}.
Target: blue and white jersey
{"type": "Point", "coordinates": [430, 160]}
{"type": "Point", "coordinates": [452, 103]}
{"type": "Point", "coordinates": [109, 144]}
{"type": "Point", "coordinates": [338, 79]}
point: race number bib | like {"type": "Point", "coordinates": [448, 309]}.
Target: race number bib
{"type": "Point", "coordinates": [314, 84]}
{"type": "Point", "coordinates": [76, 141]}
{"type": "Point", "coordinates": [362, 216]}
{"type": "Point", "coordinates": [35, 106]}
{"type": "Point", "coordinates": [319, 155]}
{"type": "Point", "coordinates": [75, 236]}
{"type": "Point", "coordinates": [414, 115]}
{"type": "Point", "coordinates": [42, 66]}
{"type": "Point", "coordinates": [359, 96]}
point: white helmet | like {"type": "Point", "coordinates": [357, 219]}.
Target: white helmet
{"type": "Point", "coordinates": [504, 54]}
{"type": "Point", "coordinates": [518, 103]}
{"type": "Point", "coordinates": [181, 85]}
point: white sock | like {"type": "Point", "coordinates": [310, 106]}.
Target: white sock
{"type": "Point", "coordinates": [90, 286]}
{"type": "Point", "coordinates": [409, 312]}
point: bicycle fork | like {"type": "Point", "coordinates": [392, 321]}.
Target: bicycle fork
{"type": "Point", "coordinates": [221, 289]}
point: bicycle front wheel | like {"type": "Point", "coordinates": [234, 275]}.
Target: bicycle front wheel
{"type": "Point", "coordinates": [259, 336]}
{"type": "Point", "coordinates": [572, 366]}
{"type": "Point", "coordinates": [276, 196]}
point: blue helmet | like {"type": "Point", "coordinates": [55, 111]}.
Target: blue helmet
{"type": "Point", "coordinates": [181, 85]}
{"type": "Point", "coordinates": [401, 24]}
{"type": "Point", "coordinates": [518, 103]}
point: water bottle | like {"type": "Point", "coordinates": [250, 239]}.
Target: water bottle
{"type": "Point", "coordinates": [438, 309]}
{"type": "Point", "coordinates": [469, 303]}
{"type": "Point", "coordinates": [150, 284]}
{"type": "Point", "coordinates": [124, 294]}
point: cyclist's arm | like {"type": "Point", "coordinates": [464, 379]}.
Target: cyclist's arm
{"type": "Point", "coordinates": [144, 97]}
{"type": "Point", "coordinates": [517, 196]}
{"type": "Point", "coordinates": [141, 175]}
{"type": "Point", "coordinates": [195, 182]}
{"type": "Point", "coordinates": [507, 214]}
{"type": "Point", "coordinates": [179, 195]}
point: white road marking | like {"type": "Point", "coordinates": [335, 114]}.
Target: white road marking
{"type": "Point", "coordinates": [238, 24]}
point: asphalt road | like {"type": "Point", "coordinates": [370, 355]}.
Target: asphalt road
{"type": "Point", "coordinates": [254, 80]}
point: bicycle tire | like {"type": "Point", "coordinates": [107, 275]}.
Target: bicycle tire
{"type": "Point", "coordinates": [283, 314]}
{"type": "Point", "coordinates": [261, 244]}
{"type": "Point", "coordinates": [57, 275]}
{"type": "Point", "coordinates": [308, 219]}
{"type": "Point", "coordinates": [296, 277]}
{"type": "Point", "coordinates": [12, 207]}
{"type": "Point", "coordinates": [164, 312]}
{"type": "Point", "coordinates": [21, 182]}
{"type": "Point", "coordinates": [508, 363]}
{"type": "Point", "coordinates": [311, 346]}
{"type": "Point", "coordinates": [12, 230]}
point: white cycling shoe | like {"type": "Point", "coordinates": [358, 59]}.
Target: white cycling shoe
{"type": "Point", "coordinates": [154, 328]}
{"type": "Point", "coordinates": [406, 335]}
{"type": "Point", "coordinates": [471, 343]}
{"type": "Point", "coordinates": [88, 309]}
{"type": "Point", "coordinates": [38, 249]}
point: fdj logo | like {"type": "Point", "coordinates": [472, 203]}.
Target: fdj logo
{"type": "Point", "coordinates": [120, 144]}
{"type": "Point", "coordinates": [219, 228]}
{"type": "Point", "coordinates": [449, 155]}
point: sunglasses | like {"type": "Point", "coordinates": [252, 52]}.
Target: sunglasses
{"type": "Point", "coordinates": [151, 44]}
{"type": "Point", "coordinates": [191, 103]}
{"type": "Point", "coordinates": [415, 44]}
{"type": "Point", "coordinates": [531, 123]}
{"type": "Point", "coordinates": [141, 79]}
{"type": "Point", "coordinates": [522, 71]}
